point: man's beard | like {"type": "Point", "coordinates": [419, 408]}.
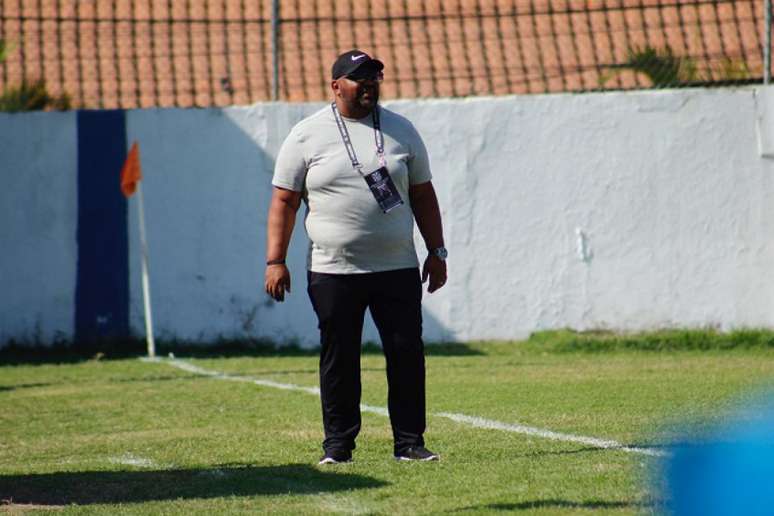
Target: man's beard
{"type": "Point", "coordinates": [370, 102]}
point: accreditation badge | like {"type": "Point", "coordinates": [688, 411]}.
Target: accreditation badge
{"type": "Point", "coordinates": [381, 185]}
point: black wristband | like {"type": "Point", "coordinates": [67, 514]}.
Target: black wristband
{"type": "Point", "coordinates": [278, 261]}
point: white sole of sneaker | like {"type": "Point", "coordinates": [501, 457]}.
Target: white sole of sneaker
{"type": "Point", "coordinates": [328, 460]}
{"type": "Point", "coordinates": [428, 459]}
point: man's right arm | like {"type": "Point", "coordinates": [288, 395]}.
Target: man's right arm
{"type": "Point", "coordinates": [279, 228]}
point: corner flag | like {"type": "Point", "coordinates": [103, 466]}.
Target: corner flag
{"type": "Point", "coordinates": [131, 174]}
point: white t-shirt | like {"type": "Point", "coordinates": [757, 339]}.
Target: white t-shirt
{"type": "Point", "coordinates": [348, 232]}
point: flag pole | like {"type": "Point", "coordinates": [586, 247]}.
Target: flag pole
{"type": "Point", "coordinates": [145, 282]}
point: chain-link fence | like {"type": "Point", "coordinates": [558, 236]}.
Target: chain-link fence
{"type": "Point", "coordinates": [130, 53]}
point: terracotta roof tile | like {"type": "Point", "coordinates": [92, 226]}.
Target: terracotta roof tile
{"type": "Point", "coordinates": [130, 53]}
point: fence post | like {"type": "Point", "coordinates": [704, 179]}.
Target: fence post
{"type": "Point", "coordinates": [275, 49]}
{"type": "Point", "coordinates": [767, 48]}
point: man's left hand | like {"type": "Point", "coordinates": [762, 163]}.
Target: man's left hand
{"type": "Point", "coordinates": [435, 269]}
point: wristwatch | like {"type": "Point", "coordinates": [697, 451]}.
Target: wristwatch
{"type": "Point", "coordinates": [440, 252]}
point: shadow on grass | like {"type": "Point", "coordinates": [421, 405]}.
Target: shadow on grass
{"type": "Point", "coordinates": [116, 349]}
{"type": "Point", "coordinates": [558, 504]}
{"type": "Point", "coordinates": [97, 487]}
{"type": "Point", "coordinates": [574, 451]}
{"type": "Point", "coordinates": [155, 378]}
{"type": "Point", "coordinates": [597, 449]}
{"type": "Point", "coordinates": [23, 386]}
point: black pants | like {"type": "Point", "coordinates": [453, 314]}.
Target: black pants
{"type": "Point", "coordinates": [394, 298]}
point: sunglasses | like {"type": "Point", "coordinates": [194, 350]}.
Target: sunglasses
{"type": "Point", "coordinates": [362, 78]}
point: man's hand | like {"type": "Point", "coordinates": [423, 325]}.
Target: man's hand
{"type": "Point", "coordinates": [277, 281]}
{"type": "Point", "coordinates": [279, 227]}
{"type": "Point", "coordinates": [435, 269]}
{"type": "Point", "coordinates": [424, 204]}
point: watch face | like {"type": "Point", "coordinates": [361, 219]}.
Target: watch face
{"type": "Point", "coordinates": [441, 252]}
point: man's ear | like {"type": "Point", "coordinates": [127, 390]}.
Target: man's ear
{"type": "Point", "coordinates": [335, 87]}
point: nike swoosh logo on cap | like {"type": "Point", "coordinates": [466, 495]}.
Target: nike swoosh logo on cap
{"type": "Point", "coordinates": [355, 58]}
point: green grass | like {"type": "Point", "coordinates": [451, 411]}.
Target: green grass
{"type": "Point", "coordinates": [664, 340]}
{"type": "Point", "coordinates": [124, 436]}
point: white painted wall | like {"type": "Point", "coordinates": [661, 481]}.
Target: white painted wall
{"type": "Point", "coordinates": [668, 191]}
{"type": "Point", "coordinates": [207, 188]}
{"type": "Point", "coordinates": [631, 210]}
{"type": "Point", "coordinates": [38, 217]}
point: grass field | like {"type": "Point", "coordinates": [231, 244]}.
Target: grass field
{"type": "Point", "coordinates": [125, 436]}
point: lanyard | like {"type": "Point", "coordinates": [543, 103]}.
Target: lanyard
{"type": "Point", "coordinates": [378, 137]}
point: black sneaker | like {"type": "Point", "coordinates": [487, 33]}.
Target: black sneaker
{"type": "Point", "coordinates": [417, 453]}
{"type": "Point", "coordinates": [336, 457]}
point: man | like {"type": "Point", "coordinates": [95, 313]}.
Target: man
{"type": "Point", "coordinates": [364, 175]}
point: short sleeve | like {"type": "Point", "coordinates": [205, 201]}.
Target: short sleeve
{"type": "Point", "coordinates": [419, 162]}
{"type": "Point", "coordinates": [290, 168]}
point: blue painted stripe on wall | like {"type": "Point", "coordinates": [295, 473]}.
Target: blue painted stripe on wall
{"type": "Point", "coordinates": [102, 288]}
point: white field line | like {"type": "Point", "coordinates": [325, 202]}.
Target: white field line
{"type": "Point", "coordinates": [473, 421]}
{"type": "Point", "coordinates": [129, 459]}
{"type": "Point", "coordinates": [185, 366]}
{"type": "Point", "coordinates": [478, 422]}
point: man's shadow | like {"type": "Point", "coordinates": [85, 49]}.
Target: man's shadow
{"type": "Point", "coordinates": [98, 487]}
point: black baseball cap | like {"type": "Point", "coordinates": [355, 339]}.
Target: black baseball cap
{"type": "Point", "coordinates": [353, 60]}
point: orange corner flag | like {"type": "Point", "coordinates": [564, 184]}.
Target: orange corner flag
{"type": "Point", "coordinates": [131, 174]}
